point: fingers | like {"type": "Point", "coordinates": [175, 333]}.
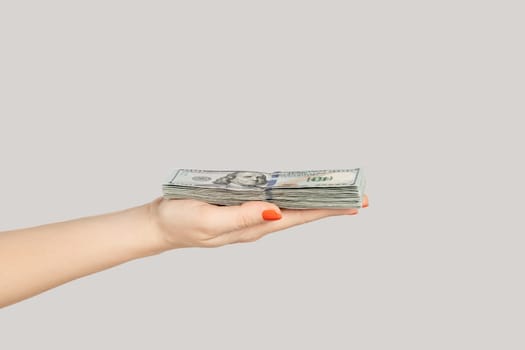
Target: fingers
{"type": "Point", "coordinates": [202, 224]}
{"type": "Point", "coordinates": [365, 201]}
{"type": "Point", "coordinates": [238, 217]}
{"type": "Point", "coordinates": [290, 217]}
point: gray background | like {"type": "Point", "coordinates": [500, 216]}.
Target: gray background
{"type": "Point", "coordinates": [101, 100]}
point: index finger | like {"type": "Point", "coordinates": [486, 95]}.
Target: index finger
{"type": "Point", "coordinates": [290, 217]}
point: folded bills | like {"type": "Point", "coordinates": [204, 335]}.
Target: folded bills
{"type": "Point", "coordinates": [339, 188]}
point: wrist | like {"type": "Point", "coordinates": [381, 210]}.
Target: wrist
{"type": "Point", "coordinates": [156, 231]}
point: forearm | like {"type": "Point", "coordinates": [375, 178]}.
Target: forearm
{"type": "Point", "coordinates": [36, 259]}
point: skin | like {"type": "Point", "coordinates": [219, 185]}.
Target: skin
{"type": "Point", "coordinates": [36, 259]}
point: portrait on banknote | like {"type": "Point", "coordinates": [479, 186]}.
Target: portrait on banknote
{"type": "Point", "coordinates": [243, 179]}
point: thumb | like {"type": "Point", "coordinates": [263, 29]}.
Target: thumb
{"type": "Point", "coordinates": [231, 218]}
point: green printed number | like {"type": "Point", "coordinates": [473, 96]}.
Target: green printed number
{"type": "Point", "coordinates": [319, 178]}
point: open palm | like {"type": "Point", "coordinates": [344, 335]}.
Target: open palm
{"type": "Point", "coordinates": [191, 223]}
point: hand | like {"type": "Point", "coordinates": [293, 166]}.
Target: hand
{"type": "Point", "coordinates": [191, 223]}
{"type": "Point", "coordinates": [96, 243]}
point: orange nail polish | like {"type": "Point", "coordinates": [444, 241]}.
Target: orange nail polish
{"type": "Point", "coordinates": [365, 201]}
{"type": "Point", "coordinates": [271, 215]}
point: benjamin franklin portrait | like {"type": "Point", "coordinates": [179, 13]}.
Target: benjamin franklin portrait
{"type": "Point", "coordinates": [243, 178]}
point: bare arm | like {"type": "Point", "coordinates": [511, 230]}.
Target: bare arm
{"type": "Point", "coordinates": [36, 259]}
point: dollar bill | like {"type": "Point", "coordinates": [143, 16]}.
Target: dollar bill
{"type": "Point", "coordinates": [336, 188]}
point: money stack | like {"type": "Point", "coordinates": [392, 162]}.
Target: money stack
{"type": "Point", "coordinates": [341, 188]}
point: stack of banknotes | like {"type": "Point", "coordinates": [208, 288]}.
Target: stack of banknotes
{"type": "Point", "coordinates": [340, 188]}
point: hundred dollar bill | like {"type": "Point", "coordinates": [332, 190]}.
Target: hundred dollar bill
{"type": "Point", "coordinates": [339, 188]}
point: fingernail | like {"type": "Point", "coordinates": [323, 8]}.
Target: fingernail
{"type": "Point", "coordinates": [365, 201]}
{"type": "Point", "coordinates": [353, 212]}
{"type": "Point", "coordinates": [271, 215]}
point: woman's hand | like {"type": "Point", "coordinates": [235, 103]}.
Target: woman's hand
{"type": "Point", "coordinates": [35, 259]}
{"type": "Point", "coordinates": [190, 223]}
